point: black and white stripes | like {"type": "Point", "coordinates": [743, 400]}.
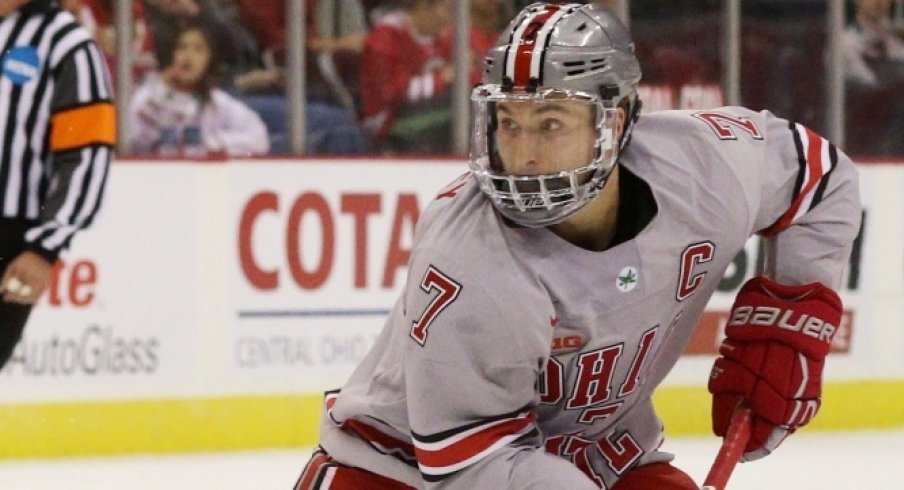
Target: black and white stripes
{"type": "Point", "coordinates": [817, 159]}
{"type": "Point", "coordinates": [56, 124]}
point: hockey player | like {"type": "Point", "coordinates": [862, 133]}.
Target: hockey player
{"type": "Point", "coordinates": [552, 289]}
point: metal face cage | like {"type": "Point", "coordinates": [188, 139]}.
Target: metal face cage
{"type": "Point", "coordinates": [545, 199]}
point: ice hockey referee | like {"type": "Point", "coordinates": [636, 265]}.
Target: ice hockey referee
{"type": "Point", "coordinates": [57, 131]}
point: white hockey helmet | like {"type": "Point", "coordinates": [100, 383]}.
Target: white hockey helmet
{"type": "Point", "coordinates": [552, 53]}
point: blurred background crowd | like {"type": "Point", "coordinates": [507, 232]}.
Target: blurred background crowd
{"type": "Point", "coordinates": [209, 76]}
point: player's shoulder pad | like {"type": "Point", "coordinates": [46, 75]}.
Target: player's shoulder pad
{"type": "Point", "coordinates": [462, 237]}
{"type": "Point", "coordinates": [461, 231]}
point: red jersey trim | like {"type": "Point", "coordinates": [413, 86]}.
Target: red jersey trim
{"type": "Point", "coordinates": [529, 43]}
{"type": "Point", "coordinates": [819, 158]}
{"type": "Point", "coordinates": [381, 441]}
{"type": "Point", "coordinates": [313, 473]}
{"type": "Point", "coordinates": [375, 436]}
{"type": "Point", "coordinates": [466, 447]}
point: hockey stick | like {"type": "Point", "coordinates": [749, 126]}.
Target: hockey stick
{"type": "Point", "coordinates": [732, 448]}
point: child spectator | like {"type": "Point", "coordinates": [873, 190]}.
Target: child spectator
{"type": "Point", "coordinates": [166, 18]}
{"type": "Point", "coordinates": [182, 113]}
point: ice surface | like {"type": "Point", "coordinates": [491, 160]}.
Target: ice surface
{"type": "Point", "coordinates": [807, 461]}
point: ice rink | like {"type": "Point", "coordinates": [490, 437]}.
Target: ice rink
{"type": "Point", "coordinates": [817, 461]}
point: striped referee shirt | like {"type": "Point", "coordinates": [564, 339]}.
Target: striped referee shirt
{"type": "Point", "coordinates": [57, 124]}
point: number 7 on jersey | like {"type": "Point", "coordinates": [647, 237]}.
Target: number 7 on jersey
{"type": "Point", "coordinates": [434, 280]}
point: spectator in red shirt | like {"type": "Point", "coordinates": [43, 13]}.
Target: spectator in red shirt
{"type": "Point", "coordinates": [405, 75]}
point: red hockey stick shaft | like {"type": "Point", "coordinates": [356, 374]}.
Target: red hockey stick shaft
{"type": "Point", "coordinates": [732, 448]}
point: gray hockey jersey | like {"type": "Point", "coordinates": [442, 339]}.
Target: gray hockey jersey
{"type": "Point", "coordinates": [516, 360]}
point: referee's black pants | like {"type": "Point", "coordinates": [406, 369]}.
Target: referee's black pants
{"type": "Point", "coordinates": [12, 316]}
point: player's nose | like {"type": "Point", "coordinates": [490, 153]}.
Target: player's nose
{"type": "Point", "coordinates": [528, 158]}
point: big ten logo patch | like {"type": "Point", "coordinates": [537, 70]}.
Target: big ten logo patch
{"type": "Point", "coordinates": [20, 65]}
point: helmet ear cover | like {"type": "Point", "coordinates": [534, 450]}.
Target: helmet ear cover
{"type": "Point", "coordinates": [609, 92]}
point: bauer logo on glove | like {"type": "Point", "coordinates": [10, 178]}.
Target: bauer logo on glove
{"type": "Point", "coordinates": [768, 316]}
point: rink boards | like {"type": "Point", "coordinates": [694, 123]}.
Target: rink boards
{"type": "Point", "coordinates": [213, 301]}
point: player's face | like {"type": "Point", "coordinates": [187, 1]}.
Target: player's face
{"type": "Point", "coordinates": [536, 139]}
{"type": "Point", "coordinates": [192, 57]}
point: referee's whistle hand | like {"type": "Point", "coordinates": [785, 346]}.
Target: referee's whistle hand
{"type": "Point", "coordinates": [25, 279]}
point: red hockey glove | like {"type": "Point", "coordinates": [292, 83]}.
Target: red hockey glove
{"type": "Point", "coordinates": [776, 342]}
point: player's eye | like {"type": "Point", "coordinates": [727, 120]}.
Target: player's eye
{"type": "Point", "coordinates": [551, 125]}
{"type": "Point", "coordinates": [508, 124]}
